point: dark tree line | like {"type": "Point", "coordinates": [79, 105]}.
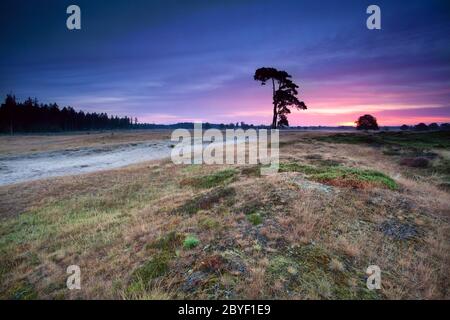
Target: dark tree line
{"type": "Point", "coordinates": [32, 116]}
{"type": "Point", "coordinates": [423, 127]}
{"type": "Point", "coordinates": [206, 125]}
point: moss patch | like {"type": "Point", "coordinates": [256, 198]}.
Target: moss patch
{"type": "Point", "coordinates": [168, 242]}
{"type": "Point", "coordinates": [23, 291]}
{"type": "Point", "coordinates": [190, 242]}
{"type": "Point", "coordinates": [206, 201]}
{"type": "Point", "coordinates": [307, 270]}
{"type": "Point", "coordinates": [157, 266]}
{"type": "Point", "coordinates": [210, 180]}
{"type": "Point", "coordinates": [255, 218]}
{"type": "Point", "coordinates": [342, 176]}
{"type": "Point", "coordinates": [209, 223]}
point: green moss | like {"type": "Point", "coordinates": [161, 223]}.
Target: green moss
{"type": "Point", "coordinates": [306, 270]}
{"type": "Point", "coordinates": [352, 174]}
{"type": "Point", "coordinates": [157, 266]}
{"type": "Point", "coordinates": [296, 167]}
{"type": "Point", "coordinates": [282, 266]}
{"type": "Point", "coordinates": [211, 180]}
{"type": "Point", "coordinates": [255, 218]}
{"type": "Point", "coordinates": [206, 200]}
{"type": "Point", "coordinates": [190, 242]}
{"type": "Point", "coordinates": [168, 242]}
{"type": "Point", "coordinates": [23, 291]}
{"type": "Point", "coordinates": [326, 174]}
{"type": "Point", "coordinates": [209, 223]}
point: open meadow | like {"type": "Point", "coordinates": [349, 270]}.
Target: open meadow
{"type": "Point", "coordinates": [155, 230]}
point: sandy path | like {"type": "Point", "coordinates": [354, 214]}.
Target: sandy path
{"type": "Point", "coordinates": [27, 167]}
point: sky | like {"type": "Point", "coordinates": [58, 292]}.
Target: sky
{"type": "Point", "coordinates": [173, 61]}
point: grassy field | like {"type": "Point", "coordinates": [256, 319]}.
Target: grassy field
{"type": "Point", "coordinates": [155, 230]}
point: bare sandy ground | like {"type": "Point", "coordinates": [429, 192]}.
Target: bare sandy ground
{"type": "Point", "coordinates": [27, 158]}
{"type": "Point", "coordinates": [36, 166]}
{"type": "Point", "coordinates": [32, 157]}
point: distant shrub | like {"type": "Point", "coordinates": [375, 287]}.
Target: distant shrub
{"type": "Point", "coordinates": [367, 122]}
{"type": "Point", "coordinates": [433, 126]}
{"type": "Point", "coordinates": [404, 127]}
{"type": "Point", "coordinates": [418, 162]}
{"type": "Point", "coordinates": [421, 127]}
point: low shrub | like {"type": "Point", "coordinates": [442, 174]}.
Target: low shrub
{"type": "Point", "coordinates": [190, 242]}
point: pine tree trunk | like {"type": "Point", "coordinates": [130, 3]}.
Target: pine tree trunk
{"type": "Point", "coordinates": [274, 119]}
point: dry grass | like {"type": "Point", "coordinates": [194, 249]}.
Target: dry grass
{"type": "Point", "coordinates": [125, 229]}
{"type": "Point", "coordinates": [30, 143]}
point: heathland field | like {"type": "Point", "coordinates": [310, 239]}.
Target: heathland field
{"type": "Point", "coordinates": [155, 230]}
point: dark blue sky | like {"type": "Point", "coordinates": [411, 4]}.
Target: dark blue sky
{"type": "Point", "coordinates": [170, 61]}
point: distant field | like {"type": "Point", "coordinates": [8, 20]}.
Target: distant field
{"type": "Point", "coordinates": [155, 230]}
{"type": "Point", "coordinates": [418, 140]}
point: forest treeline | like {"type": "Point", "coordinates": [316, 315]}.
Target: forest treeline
{"type": "Point", "coordinates": [32, 116]}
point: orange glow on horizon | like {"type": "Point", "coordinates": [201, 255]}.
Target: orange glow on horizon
{"type": "Point", "coordinates": [352, 124]}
